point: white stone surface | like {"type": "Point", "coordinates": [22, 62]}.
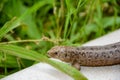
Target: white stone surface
{"type": "Point", "coordinates": [42, 71]}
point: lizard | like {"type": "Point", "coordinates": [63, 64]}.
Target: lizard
{"type": "Point", "coordinates": [87, 55]}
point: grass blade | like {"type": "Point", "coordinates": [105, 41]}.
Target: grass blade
{"type": "Point", "coordinates": [16, 22]}
{"type": "Point", "coordinates": [32, 55]}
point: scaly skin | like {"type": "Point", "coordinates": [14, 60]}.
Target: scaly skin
{"type": "Point", "coordinates": [88, 56]}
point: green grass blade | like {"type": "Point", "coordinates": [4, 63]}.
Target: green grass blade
{"type": "Point", "coordinates": [16, 22]}
{"type": "Point", "coordinates": [8, 26]}
{"type": "Point", "coordinates": [32, 55]}
{"type": "Point", "coordinates": [67, 69]}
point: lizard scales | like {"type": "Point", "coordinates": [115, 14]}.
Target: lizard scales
{"type": "Point", "coordinates": [88, 55]}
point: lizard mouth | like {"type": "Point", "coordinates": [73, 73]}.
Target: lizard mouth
{"type": "Point", "coordinates": [48, 54]}
{"type": "Point", "coordinates": [51, 54]}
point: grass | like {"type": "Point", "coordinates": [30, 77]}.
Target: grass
{"type": "Point", "coordinates": [40, 24]}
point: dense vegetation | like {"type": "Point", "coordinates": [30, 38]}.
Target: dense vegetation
{"type": "Point", "coordinates": [37, 25]}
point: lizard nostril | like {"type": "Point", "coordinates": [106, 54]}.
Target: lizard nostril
{"type": "Point", "coordinates": [65, 55]}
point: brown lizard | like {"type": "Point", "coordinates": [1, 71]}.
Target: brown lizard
{"type": "Point", "coordinates": [88, 56]}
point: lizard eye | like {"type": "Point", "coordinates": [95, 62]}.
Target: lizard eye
{"type": "Point", "coordinates": [55, 53]}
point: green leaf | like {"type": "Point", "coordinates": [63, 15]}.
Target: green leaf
{"type": "Point", "coordinates": [32, 55]}
{"type": "Point", "coordinates": [15, 23]}
{"type": "Point", "coordinates": [109, 21]}
{"type": "Point", "coordinates": [10, 61]}
{"type": "Point", "coordinates": [68, 70]}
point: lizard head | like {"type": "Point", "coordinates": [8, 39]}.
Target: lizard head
{"type": "Point", "coordinates": [59, 52]}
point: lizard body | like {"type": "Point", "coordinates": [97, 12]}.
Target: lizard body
{"type": "Point", "coordinates": [88, 56]}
